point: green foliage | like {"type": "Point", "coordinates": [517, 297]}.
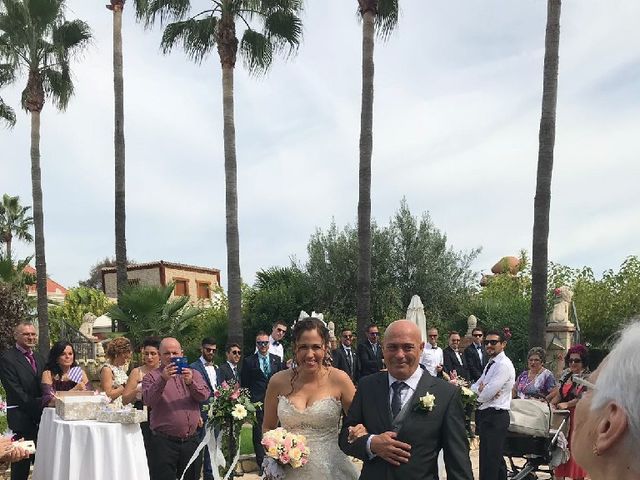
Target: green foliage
{"type": "Point", "coordinates": [77, 303]}
{"type": "Point", "coordinates": [15, 221]}
{"type": "Point", "coordinates": [147, 311]}
{"type": "Point", "coordinates": [14, 307]}
{"type": "Point", "coordinates": [7, 114]}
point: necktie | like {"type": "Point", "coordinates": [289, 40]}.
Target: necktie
{"type": "Point", "coordinates": [489, 365]}
{"type": "Point", "coordinates": [349, 359]}
{"type": "Point", "coordinates": [265, 366]}
{"type": "Point", "coordinates": [396, 400]}
{"type": "Point", "coordinates": [275, 344]}
{"type": "Point", "coordinates": [235, 372]}
{"type": "Point", "coordinates": [31, 360]}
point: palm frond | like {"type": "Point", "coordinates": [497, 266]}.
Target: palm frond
{"type": "Point", "coordinates": [141, 7]}
{"type": "Point", "coordinates": [43, 13]}
{"type": "Point", "coordinates": [7, 114]}
{"type": "Point", "coordinates": [165, 10]}
{"type": "Point", "coordinates": [198, 37]}
{"type": "Point", "coordinates": [257, 51]}
{"type": "Point", "coordinates": [58, 85]}
{"type": "Point", "coordinates": [387, 17]}
{"type": "Point", "coordinates": [71, 36]}
{"type": "Point", "coordinates": [284, 29]}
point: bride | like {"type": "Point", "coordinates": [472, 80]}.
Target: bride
{"type": "Point", "coordinates": [309, 399]}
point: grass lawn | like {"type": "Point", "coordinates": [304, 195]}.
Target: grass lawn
{"type": "Point", "coordinates": [246, 442]}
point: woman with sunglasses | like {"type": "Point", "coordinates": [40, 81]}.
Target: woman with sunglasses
{"type": "Point", "coordinates": [566, 397]}
{"type": "Point", "coordinates": [536, 381]}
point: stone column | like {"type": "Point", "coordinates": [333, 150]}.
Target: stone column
{"type": "Point", "coordinates": [558, 340]}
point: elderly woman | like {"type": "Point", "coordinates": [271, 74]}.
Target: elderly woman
{"type": "Point", "coordinates": [62, 373]}
{"type": "Point", "coordinates": [113, 375]}
{"type": "Point", "coordinates": [607, 431]}
{"type": "Point", "coordinates": [566, 397]}
{"type": "Point", "coordinates": [536, 381]}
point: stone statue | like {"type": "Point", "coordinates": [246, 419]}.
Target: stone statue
{"type": "Point", "coordinates": [87, 325]}
{"type": "Point", "coordinates": [560, 313]}
{"type": "Point", "coordinates": [332, 330]}
{"type": "Point", "coordinates": [472, 322]}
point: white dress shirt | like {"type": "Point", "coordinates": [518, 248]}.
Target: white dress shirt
{"type": "Point", "coordinates": [498, 384]}
{"type": "Point", "coordinates": [211, 372]}
{"type": "Point", "coordinates": [478, 350]}
{"type": "Point", "coordinates": [276, 349]}
{"type": "Point", "coordinates": [234, 368]}
{"type": "Point", "coordinates": [431, 357]}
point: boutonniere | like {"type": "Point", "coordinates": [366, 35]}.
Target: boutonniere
{"type": "Point", "coordinates": [426, 403]}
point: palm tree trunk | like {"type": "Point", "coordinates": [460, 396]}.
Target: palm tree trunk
{"type": "Point", "coordinates": [38, 221]}
{"type": "Point", "coordinates": [542, 202]}
{"type": "Point", "coordinates": [364, 198]}
{"type": "Point", "coordinates": [8, 242]}
{"type": "Point", "coordinates": [118, 139]}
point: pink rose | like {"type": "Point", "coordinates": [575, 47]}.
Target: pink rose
{"type": "Point", "coordinates": [284, 458]}
{"type": "Point", "coordinates": [217, 394]}
{"type": "Point", "coordinates": [235, 395]}
{"type": "Point", "coordinates": [225, 385]}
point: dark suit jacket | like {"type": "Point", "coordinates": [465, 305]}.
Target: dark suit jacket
{"type": "Point", "coordinates": [369, 362]}
{"type": "Point", "coordinates": [451, 362]}
{"type": "Point", "coordinates": [426, 431]}
{"type": "Point", "coordinates": [23, 389]}
{"type": "Point", "coordinates": [199, 367]}
{"type": "Point", "coordinates": [254, 379]}
{"type": "Point", "coordinates": [472, 360]}
{"type": "Point", "coordinates": [225, 374]}
{"type": "Point", "coordinates": [339, 356]}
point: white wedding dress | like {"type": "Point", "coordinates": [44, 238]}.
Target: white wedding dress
{"type": "Point", "coordinates": [320, 423]}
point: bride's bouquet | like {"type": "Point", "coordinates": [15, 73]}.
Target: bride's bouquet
{"type": "Point", "coordinates": [283, 448]}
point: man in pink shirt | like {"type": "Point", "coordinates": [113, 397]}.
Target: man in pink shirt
{"type": "Point", "coordinates": [174, 400]}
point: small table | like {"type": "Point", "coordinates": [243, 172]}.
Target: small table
{"type": "Point", "coordinates": [87, 449]}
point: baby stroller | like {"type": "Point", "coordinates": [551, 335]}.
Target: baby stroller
{"type": "Point", "coordinates": [537, 435]}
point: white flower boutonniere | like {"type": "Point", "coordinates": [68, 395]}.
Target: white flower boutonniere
{"type": "Point", "coordinates": [427, 402]}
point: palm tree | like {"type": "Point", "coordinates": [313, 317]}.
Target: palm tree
{"type": "Point", "coordinates": [35, 38]}
{"type": "Point", "coordinates": [379, 16]}
{"type": "Point", "coordinates": [280, 31]}
{"type": "Point", "coordinates": [7, 114]}
{"type": "Point", "coordinates": [14, 222]}
{"type": "Point", "coordinates": [542, 202]}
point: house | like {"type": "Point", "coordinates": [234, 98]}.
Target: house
{"type": "Point", "coordinates": [55, 291]}
{"type": "Point", "coordinates": [195, 282]}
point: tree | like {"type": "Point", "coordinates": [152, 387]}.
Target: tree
{"type": "Point", "coordinates": [7, 115]}
{"type": "Point", "coordinates": [36, 38]}
{"type": "Point", "coordinates": [542, 202]}
{"type": "Point", "coordinates": [14, 303]}
{"type": "Point", "coordinates": [77, 303]}
{"type": "Point", "coordinates": [380, 16]}
{"type": "Point", "coordinates": [95, 274]}
{"type": "Point", "coordinates": [14, 222]}
{"type": "Point", "coordinates": [280, 31]}
{"type": "Point", "coordinates": [146, 310]}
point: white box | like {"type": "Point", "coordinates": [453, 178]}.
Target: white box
{"type": "Point", "coordinates": [78, 405]}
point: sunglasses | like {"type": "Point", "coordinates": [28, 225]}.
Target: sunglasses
{"type": "Point", "coordinates": [210, 350]}
{"type": "Point", "coordinates": [575, 360]}
{"type": "Point", "coordinates": [281, 330]}
{"type": "Point", "coordinates": [478, 334]}
{"type": "Point", "coordinates": [491, 342]}
{"type": "Point", "coordinates": [347, 336]}
{"type": "Point", "coordinates": [262, 344]}
{"type": "Point", "coordinates": [235, 352]}
{"type": "Point", "coordinates": [432, 336]}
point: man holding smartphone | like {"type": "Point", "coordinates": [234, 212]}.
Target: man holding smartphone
{"type": "Point", "coordinates": [175, 399]}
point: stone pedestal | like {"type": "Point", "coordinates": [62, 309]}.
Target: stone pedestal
{"type": "Point", "coordinates": [558, 340]}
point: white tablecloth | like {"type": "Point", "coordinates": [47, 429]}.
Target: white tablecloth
{"type": "Point", "coordinates": [86, 449]}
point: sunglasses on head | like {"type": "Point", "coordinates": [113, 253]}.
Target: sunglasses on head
{"type": "Point", "coordinates": [575, 360]}
{"type": "Point", "coordinates": [491, 342]}
{"type": "Point", "coordinates": [262, 344]}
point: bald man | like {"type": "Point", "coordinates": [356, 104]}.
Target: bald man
{"type": "Point", "coordinates": [174, 399]}
{"type": "Point", "coordinates": [404, 436]}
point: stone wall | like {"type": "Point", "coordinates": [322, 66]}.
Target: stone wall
{"type": "Point", "coordinates": [145, 276]}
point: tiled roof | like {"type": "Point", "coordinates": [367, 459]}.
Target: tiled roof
{"type": "Point", "coordinates": [53, 287]}
{"type": "Point", "coordinates": [181, 266]}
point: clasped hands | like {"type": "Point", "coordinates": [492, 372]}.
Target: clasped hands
{"type": "Point", "coordinates": [384, 445]}
{"type": "Point", "coordinates": [11, 452]}
{"type": "Point", "coordinates": [172, 370]}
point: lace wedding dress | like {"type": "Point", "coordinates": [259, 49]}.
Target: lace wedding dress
{"type": "Point", "coordinates": [320, 423]}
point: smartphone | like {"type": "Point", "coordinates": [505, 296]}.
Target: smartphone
{"type": "Point", "coordinates": [180, 362]}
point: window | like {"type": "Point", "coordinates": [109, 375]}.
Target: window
{"type": "Point", "coordinates": [133, 282]}
{"type": "Point", "coordinates": [203, 290]}
{"type": "Point", "coordinates": [182, 287]}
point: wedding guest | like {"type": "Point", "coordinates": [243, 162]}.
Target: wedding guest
{"type": "Point", "coordinates": [432, 356]}
{"type": "Point", "coordinates": [62, 373]}
{"type": "Point", "coordinates": [345, 358]}
{"type": "Point", "coordinates": [113, 374]}
{"type": "Point", "coordinates": [566, 397]}
{"type": "Point", "coordinates": [133, 389]}
{"type": "Point", "coordinates": [453, 359]}
{"type": "Point", "coordinates": [207, 368]}
{"type": "Point", "coordinates": [607, 417]}
{"type": "Point", "coordinates": [370, 352]}
{"type": "Point", "coordinates": [21, 374]}
{"type": "Point", "coordinates": [536, 381]}
{"type": "Point", "coordinates": [175, 400]}
{"type": "Point", "coordinates": [257, 370]}
{"type": "Point", "coordinates": [475, 355]}
{"type": "Point", "coordinates": [278, 332]}
{"type": "Point", "coordinates": [494, 389]}
{"type": "Point", "coordinates": [230, 370]}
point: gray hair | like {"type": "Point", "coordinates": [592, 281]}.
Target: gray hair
{"type": "Point", "coordinates": [539, 351]}
{"type": "Point", "coordinates": [619, 382]}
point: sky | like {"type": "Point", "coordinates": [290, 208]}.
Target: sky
{"type": "Point", "coordinates": [458, 91]}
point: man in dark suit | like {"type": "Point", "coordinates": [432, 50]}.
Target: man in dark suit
{"type": "Point", "coordinates": [21, 373]}
{"type": "Point", "coordinates": [345, 358]}
{"type": "Point", "coordinates": [453, 358]}
{"type": "Point", "coordinates": [409, 416]}
{"type": "Point", "coordinates": [230, 370]}
{"type": "Point", "coordinates": [370, 352]}
{"type": "Point", "coordinates": [207, 369]}
{"type": "Point", "coordinates": [476, 356]}
{"type": "Point", "coordinates": [256, 370]}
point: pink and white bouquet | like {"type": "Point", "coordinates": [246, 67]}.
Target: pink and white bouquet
{"type": "Point", "coordinates": [283, 448]}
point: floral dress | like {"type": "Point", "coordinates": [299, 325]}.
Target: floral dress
{"type": "Point", "coordinates": [540, 384]}
{"type": "Point", "coordinates": [120, 378]}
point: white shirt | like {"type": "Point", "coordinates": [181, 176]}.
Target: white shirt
{"type": "Point", "coordinates": [234, 368]}
{"type": "Point", "coordinates": [431, 357]}
{"type": "Point", "coordinates": [478, 351]}
{"type": "Point", "coordinates": [498, 384]}
{"type": "Point", "coordinates": [211, 372]}
{"type": "Point", "coordinates": [276, 349]}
